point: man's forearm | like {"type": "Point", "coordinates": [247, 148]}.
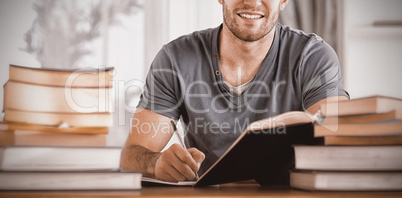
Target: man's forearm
{"type": "Point", "coordinates": [136, 157]}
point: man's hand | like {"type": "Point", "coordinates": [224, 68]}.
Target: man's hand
{"type": "Point", "coordinates": [178, 164]}
{"type": "Point", "coordinates": [142, 150]}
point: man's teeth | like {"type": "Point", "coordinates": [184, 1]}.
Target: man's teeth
{"type": "Point", "coordinates": [249, 16]}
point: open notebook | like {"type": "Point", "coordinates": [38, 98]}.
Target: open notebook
{"type": "Point", "coordinates": [255, 154]}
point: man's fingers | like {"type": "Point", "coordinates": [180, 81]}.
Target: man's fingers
{"type": "Point", "coordinates": [183, 168]}
{"type": "Point", "coordinates": [197, 155]}
{"type": "Point", "coordinates": [162, 170]}
{"type": "Point", "coordinates": [178, 164]}
{"type": "Point", "coordinates": [165, 169]}
{"type": "Point", "coordinates": [185, 157]}
{"type": "Point", "coordinates": [174, 173]}
{"type": "Point", "coordinates": [169, 178]}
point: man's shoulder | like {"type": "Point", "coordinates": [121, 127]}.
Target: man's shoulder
{"type": "Point", "coordinates": [302, 42]}
{"type": "Point", "coordinates": [295, 37]}
{"type": "Point", "coordinates": [287, 32]}
{"type": "Point", "coordinates": [197, 39]}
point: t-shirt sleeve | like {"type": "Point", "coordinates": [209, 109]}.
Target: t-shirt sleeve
{"type": "Point", "coordinates": [320, 73]}
{"type": "Point", "coordinates": [161, 92]}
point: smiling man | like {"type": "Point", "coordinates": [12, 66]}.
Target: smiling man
{"type": "Point", "coordinates": [219, 80]}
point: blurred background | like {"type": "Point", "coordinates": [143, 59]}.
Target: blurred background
{"type": "Point", "coordinates": [127, 34]}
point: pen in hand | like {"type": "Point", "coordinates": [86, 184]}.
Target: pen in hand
{"type": "Point", "coordinates": [181, 142]}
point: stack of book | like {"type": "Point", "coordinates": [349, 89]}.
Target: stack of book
{"type": "Point", "coordinates": [78, 97]}
{"type": "Point", "coordinates": [54, 107]}
{"type": "Point", "coordinates": [362, 148]}
{"type": "Point", "coordinates": [54, 131]}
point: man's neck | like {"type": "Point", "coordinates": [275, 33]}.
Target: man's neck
{"type": "Point", "coordinates": [241, 57]}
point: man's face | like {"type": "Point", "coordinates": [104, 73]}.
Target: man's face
{"type": "Point", "coordinates": [250, 20]}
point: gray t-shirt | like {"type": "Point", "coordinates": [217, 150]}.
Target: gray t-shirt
{"type": "Point", "coordinates": [184, 82]}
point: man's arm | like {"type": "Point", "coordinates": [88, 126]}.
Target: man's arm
{"type": "Point", "coordinates": [316, 106]}
{"type": "Point", "coordinates": [149, 134]}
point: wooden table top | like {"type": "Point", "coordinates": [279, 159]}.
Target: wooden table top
{"type": "Point", "coordinates": [221, 191]}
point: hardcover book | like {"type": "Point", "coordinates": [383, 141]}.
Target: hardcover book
{"type": "Point", "coordinates": [47, 158]}
{"type": "Point", "coordinates": [70, 180]}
